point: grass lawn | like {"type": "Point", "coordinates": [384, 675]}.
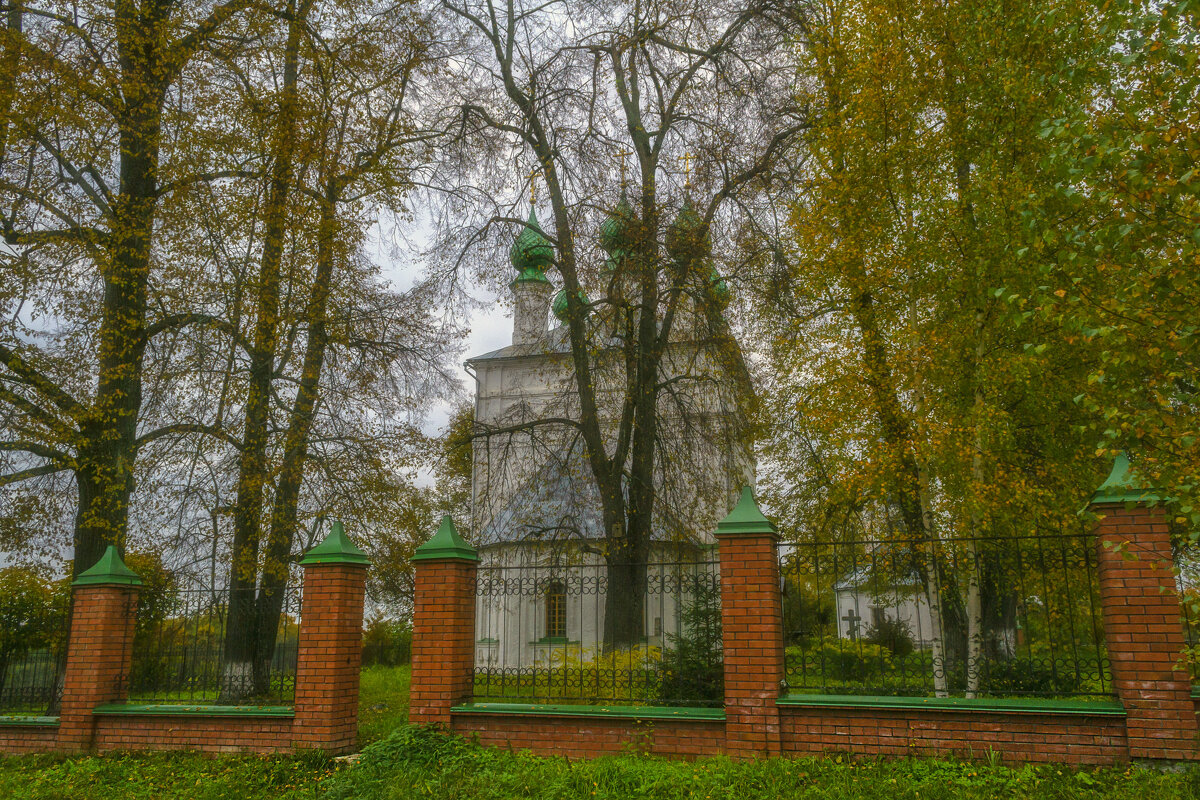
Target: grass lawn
{"type": "Point", "coordinates": [382, 701]}
{"type": "Point", "coordinates": [399, 763]}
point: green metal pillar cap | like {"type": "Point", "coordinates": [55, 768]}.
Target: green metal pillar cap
{"type": "Point", "coordinates": [1123, 486]}
{"type": "Point", "coordinates": [110, 569]}
{"type": "Point", "coordinates": [446, 543]}
{"type": "Point", "coordinates": [745, 518]}
{"type": "Point", "coordinates": [336, 549]}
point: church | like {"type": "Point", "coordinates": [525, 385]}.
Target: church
{"type": "Point", "coordinates": [536, 512]}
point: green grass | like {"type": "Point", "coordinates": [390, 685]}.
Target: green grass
{"type": "Point", "coordinates": [417, 762]}
{"type": "Point", "coordinates": [400, 762]}
{"type": "Point", "coordinates": [163, 776]}
{"type": "Point", "coordinates": [382, 701]}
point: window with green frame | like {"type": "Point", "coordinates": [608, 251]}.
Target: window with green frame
{"type": "Point", "coordinates": [556, 610]}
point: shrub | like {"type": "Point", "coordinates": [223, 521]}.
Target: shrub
{"type": "Point", "coordinates": [693, 669]}
{"type": "Point", "coordinates": [894, 634]}
{"type": "Point", "coordinates": [33, 614]}
{"type": "Point", "coordinates": [387, 642]}
{"type": "Point", "coordinates": [618, 675]}
{"type": "Point", "coordinates": [1029, 676]}
{"type": "Point", "coordinates": [808, 613]}
{"type": "Point", "coordinates": [842, 659]}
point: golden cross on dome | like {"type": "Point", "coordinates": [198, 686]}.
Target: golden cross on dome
{"type": "Point", "coordinates": [623, 155]}
{"type": "Point", "coordinates": [687, 159]}
{"type": "Point", "coordinates": [533, 173]}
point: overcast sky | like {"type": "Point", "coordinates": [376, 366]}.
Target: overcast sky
{"type": "Point", "coordinates": [490, 325]}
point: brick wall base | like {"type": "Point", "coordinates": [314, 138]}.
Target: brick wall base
{"type": "Point", "coordinates": [577, 737]}
{"type": "Point", "coordinates": [1155, 717]}
{"type": "Point", "coordinates": [1014, 737]}
{"type": "Point", "coordinates": [95, 718]}
{"type": "Point", "coordinates": [21, 739]}
{"type": "Point", "coordinates": [208, 734]}
{"type": "Point", "coordinates": [1020, 737]}
{"type": "Point", "coordinates": [191, 731]}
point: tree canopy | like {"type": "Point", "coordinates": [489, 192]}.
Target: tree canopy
{"type": "Point", "coordinates": [947, 253]}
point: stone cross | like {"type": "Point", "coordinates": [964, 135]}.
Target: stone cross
{"type": "Point", "coordinates": [852, 619]}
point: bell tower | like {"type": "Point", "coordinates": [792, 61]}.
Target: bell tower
{"type": "Point", "coordinates": [531, 256]}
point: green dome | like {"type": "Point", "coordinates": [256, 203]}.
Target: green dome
{"type": "Point", "coordinates": [559, 305]}
{"type": "Point", "coordinates": [617, 227]}
{"type": "Point", "coordinates": [718, 287]}
{"type": "Point", "coordinates": [532, 254]}
{"type": "Point", "coordinates": [686, 239]}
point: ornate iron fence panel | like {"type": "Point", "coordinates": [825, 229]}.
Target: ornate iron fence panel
{"type": "Point", "coordinates": [984, 617]}
{"type": "Point", "coordinates": [188, 650]}
{"type": "Point", "coordinates": [31, 666]}
{"type": "Point", "coordinates": [594, 633]}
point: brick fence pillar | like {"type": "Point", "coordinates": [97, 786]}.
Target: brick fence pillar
{"type": "Point", "coordinates": [1142, 628]}
{"type": "Point", "coordinates": [752, 630]}
{"type": "Point", "coordinates": [99, 647]}
{"type": "Point", "coordinates": [443, 658]}
{"type": "Point", "coordinates": [330, 648]}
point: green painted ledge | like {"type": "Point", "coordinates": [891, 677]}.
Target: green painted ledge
{"type": "Point", "coordinates": [1032, 705]}
{"type": "Point", "coordinates": [621, 712]}
{"type": "Point", "coordinates": [168, 710]}
{"type": "Point", "coordinates": [17, 719]}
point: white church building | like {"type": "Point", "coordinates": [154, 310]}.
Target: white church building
{"type": "Point", "coordinates": [536, 513]}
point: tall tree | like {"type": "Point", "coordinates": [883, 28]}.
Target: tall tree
{"type": "Point", "coordinates": [929, 401]}
{"type": "Point", "coordinates": [658, 81]}
{"type": "Point", "coordinates": [95, 96]}
{"type": "Point", "coordinates": [346, 145]}
{"type": "Point", "coordinates": [241, 643]}
{"type": "Point", "coordinates": [1116, 247]}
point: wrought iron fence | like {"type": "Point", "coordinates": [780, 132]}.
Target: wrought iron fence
{"type": "Point", "coordinates": [189, 649]}
{"type": "Point", "coordinates": [31, 667]}
{"type": "Point", "coordinates": [1187, 563]}
{"type": "Point", "coordinates": [977, 617]}
{"type": "Point", "coordinates": [591, 633]}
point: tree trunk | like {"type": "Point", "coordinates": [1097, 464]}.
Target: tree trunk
{"type": "Point", "coordinates": [285, 510]}
{"type": "Point", "coordinates": [933, 595]}
{"type": "Point", "coordinates": [253, 469]}
{"type": "Point", "coordinates": [625, 558]}
{"type": "Point", "coordinates": [107, 449]}
{"type": "Point", "coordinates": [911, 487]}
{"type": "Point", "coordinates": [9, 64]}
{"type": "Point", "coordinates": [628, 548]}
{"type": "Point", "coordinates": [974, 563]}
{"type": "Point", "coordinates": [974, 620]}
{"type": "Point", "coordinates": [624, 602]}
{"type": "Point", "coordinates": [956, 119]}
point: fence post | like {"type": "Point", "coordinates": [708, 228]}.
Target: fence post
{"type": "Point", "coordinates": [329, 653]}
{"type": "Point", "coordinates": [99, 647]}
{"type": "Point", "coordinates": [1142, 627]}
{"type": "Point", "coordinates": [752, 629]}
{"type": "Point", "coordinates": [443, 658]}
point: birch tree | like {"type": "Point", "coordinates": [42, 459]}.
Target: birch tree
{"type": "Point", "coordinates": [925, 398]}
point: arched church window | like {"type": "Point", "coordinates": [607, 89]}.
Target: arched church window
{"type": "Point", "coordinates": [556, 610]}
